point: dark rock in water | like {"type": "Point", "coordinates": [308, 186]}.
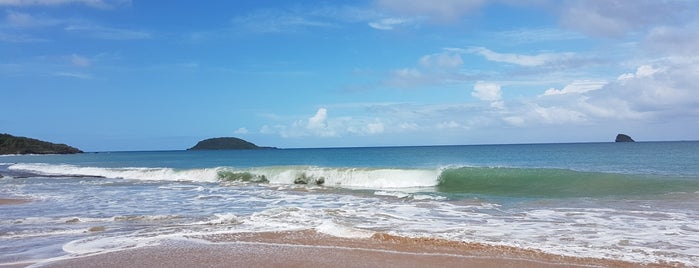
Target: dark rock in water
{"type": "Point", "coordinates": [309, 180]}
{"type": "Point", "coordinates": [226, 143]}
{"type": "Point", "coordinates": [623, 138]}
{"type": "Point", "coordinates": [20, 145]}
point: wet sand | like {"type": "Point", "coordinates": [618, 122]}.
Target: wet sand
{"type": "Point", "coordinates": [312, 249]}
{"type": "Point", "coordinates": [13, 201]}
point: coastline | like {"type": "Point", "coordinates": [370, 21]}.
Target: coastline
{"type": "Point", "coordinates": [309, 248]}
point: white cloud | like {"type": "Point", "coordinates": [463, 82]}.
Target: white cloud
{"type": "Point", "coordinates": [431, 69]}
{"type": "Point", "coordinates": [444, 60]}
{"type": "Point", "coordinates": [375, 128]}
{"type": "Point", "coordinates": [523, 60]}
{"type": "Point", "coordinates": [448, 125]}
{"type": "Point", "coordinates": [241, 130]}
{"type": "Point", "coordinates": [77, 75]}
{"type": "Point", "coordinates": [487, 91]}
{"type": "Point", "coordinates": [387, 23]}
{"type": "Point", "coordinates": [536, 35]}
{"type": "Point", "coordinates": [618, 18]}
{"type": "Point", "coordinates": [673, 41]}
{"type": "Point", "coordinates": [319, 120]}
{"type": "Point", "coordinates": [577, 87]}
{"type": "Point", "coordinates": [642, 71]}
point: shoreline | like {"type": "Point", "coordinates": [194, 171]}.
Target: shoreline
{"type": "Point", "coordinates": [308, 248]}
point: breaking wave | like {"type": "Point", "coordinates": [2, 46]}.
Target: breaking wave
{"type": "Point", "coordinates": [502, 181]}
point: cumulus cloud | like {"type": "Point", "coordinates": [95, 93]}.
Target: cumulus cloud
{"type": "Point", "coordinates": [387, 23]}
{"type": "Point", "coordinates": [374, 128]}
{"type": "Point", "coordinates": [662, 92]}
{"type": "Point", "coordinates": [319, 120]}
{"type": "Point", "coordinates": [673, 41]}
{"type": "Point", "coordinates": [642, 71]}
{"type": "Point", "coordinates": [436, 68]}
{"type": "Point", "coordinates": [444, 60]}
{"type": "Point", "coordinates": [489, 92]}
{"type": "Point", "coordinates": [618, 18]}
{"type": "Point", "coordinates": [241, 130]}
{"type": "Point", "coordinates": [521, 59]}
{"type": "Point", "coordinates": [577, 87]}
{"type": "Point", "coordinates": [322, 125]}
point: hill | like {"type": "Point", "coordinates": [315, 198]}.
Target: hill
{"type": "Point", "coordinates": [226, 143]}
{"type": "Point", "coordinates": [21, 145]}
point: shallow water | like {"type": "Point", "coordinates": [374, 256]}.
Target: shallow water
{"type": "Point", "coordinates": [635, 202]}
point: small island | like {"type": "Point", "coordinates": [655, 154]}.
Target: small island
{"type": "Point", "coordinates": [623, 138]}
{"type": "Point", "coordinates": [226, 143]}
{"type": "Point", "coordinates": [21, 145]}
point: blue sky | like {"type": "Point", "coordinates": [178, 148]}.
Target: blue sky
{"type": "Point", "coordinates": [150, 75]}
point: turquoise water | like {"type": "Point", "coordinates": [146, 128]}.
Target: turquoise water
{"type": "Point", "coordinates": [629, 201]}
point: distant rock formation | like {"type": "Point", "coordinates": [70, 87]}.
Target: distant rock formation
{"type": "Point", "coordinates": [623, 138]}
{"type": "Point", "coordinates": [20, 145]}
{"type": "Point", "coordinates": [226, 143]}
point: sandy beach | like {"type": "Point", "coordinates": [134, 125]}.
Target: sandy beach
{"type": "Point", "coordinates": [312, 249]}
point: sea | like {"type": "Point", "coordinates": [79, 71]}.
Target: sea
{"type": "Point", "coordinates": [636, 202]}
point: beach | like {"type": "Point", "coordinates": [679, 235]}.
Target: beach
{"type": "Point", "coordinates": [312, 249]}
{"type": "Point", "coordinates": [548, 205]}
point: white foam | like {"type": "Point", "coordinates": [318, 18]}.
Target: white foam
{"type": "Point", "coordinates": [136, 173]}
{"type": "Point", "coordinates": [218, 219]}
{"type": "Point", "coordinates": [392, 193]}
{"type": "Point", "coordinates": [333, 229]}
{"type": "Point", "coordinates": [104, 244]}
{"type": "Point", "coordinates": [371, 178]}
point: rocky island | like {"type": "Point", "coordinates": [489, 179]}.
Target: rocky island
{"type": "Point", "coordinates": [226, 143]}
{"type": "Point", "coordinates": [623, 138]}
{"type": "Point", "coordinates": [21, 145]}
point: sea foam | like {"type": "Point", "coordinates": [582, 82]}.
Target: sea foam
{"type": "Point", "coordinates": [330, 176]}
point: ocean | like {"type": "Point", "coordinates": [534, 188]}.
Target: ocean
{"type": "Point", "coordinates": [636, 202]}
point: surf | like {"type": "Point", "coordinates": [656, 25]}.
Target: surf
{"type": "Point", "coordinates": [488, 181]}
{"type": "Point", "coordinates": [552, 182]}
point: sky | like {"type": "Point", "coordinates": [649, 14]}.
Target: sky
{"type": "Point", "coordinates": [122, 75]}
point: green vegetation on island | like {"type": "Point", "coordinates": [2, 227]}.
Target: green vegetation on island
{"type": "Point", "coordinates": [21, 145]}
{"type": "Point", "coordinates": [226, 143]}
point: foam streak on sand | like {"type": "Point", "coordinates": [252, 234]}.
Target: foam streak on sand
{"type": "Point", "coordinates": [312, 249]}
{"type": "Point", "coordinates": [12, 201]}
